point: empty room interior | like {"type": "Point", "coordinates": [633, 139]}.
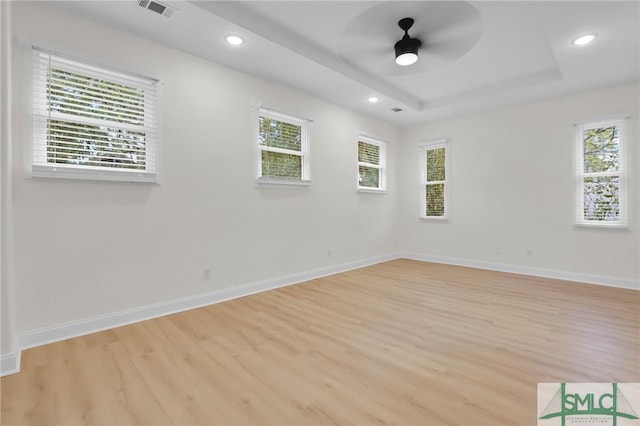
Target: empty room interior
{"type": "Point", "coordinates": [320, 212]}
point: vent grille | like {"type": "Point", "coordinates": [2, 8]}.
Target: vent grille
{"type": "Point", "coordinates": [156, 7]}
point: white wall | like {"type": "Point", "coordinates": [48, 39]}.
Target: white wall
{"type": "Point", "coordinates": [512, 189]}
{"type": "Point", "coordinates": [6, 317]}
{"type": "Point", "coordinates": [89, 248]}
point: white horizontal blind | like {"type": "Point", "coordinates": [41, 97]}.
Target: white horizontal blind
{"type": "Point", "coordinates": [434, 172]}
{"type": "Point", "coordinates": [371, 163]}
{"type": "Point", "coordinates": [601, 173]}
{"type": "Point", "coordinates": [91, 122]}
{"type": "Point", "coordinates": [282, 144]}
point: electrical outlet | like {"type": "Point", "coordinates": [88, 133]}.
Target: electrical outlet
{"type": "Point", "coordinates": [329, 253]}
{"type": "Point", "coordinates": [206, 274]}
{"type": "Point", "coordinates": [529, 252]}
{"type": "Point", "coordinates": [498, 250]}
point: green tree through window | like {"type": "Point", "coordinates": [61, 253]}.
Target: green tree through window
{"type": "Point", "coordinates": [281, 141]}
{"type": "Point", "coordinates": [371, 163]}
{"type": "Point", "coordinates": [71, 141]}
{"type": "Point", "coordinates": [601, 173]}
{"type": "Point", "coordinates": [92, 122]}
{"type": "Point", "coordinates": [434, 181]}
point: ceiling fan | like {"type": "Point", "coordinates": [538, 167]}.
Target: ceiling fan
{"type": "Point", "coordinates": [407, 48]}
{"type": "Point", "coordinates": [438, 31]}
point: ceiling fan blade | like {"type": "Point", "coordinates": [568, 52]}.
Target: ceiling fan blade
{"type": "Point", "coordinates": [449, 49]}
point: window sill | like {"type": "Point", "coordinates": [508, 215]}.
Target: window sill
{"type": "Point", "coordinates": [372, 191]}
{"type": "Point", "coordinates": [282, 183]}
{"type": "Point", "coordinates": [61, 172]}
{"type": "Point", "coordinates": [604, 226]}
{"type": "Point", "coordinates": [434, 219]}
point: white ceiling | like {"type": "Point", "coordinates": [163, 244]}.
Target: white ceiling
{"type": "Point", "coordinates": [476, 55]}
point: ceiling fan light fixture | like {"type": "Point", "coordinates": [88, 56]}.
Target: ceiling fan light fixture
{"type": "Point", "coordinates": [407, 48]}
{"type": "Point", "coordinates": [405, 59]}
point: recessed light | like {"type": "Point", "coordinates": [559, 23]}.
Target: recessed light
{"type": "Point", "coordinates": [234, 40]}
{"type": "Point", "coordinates": [373, 99]}
{"type": "Point", "coordinates": [584, 40]}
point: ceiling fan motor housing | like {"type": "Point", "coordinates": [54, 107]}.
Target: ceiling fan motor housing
{"type": "Point", "coordinates": [407, 44]}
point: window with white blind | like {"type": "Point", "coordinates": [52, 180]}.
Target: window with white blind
{"type": "Point", "coordinates": [435, 173]}
{"type": "Point", "coordinates": [90, 122]}
{"type": "Point", "coordinates": [601, 173]}
{"type": "Point", "coordinates": [282, 148]}
{"type": "Point", "coordinates": [371, 164]}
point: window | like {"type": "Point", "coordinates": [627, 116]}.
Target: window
{"type": "Point", "coordinates": [435, 187]}
{"type": "Point", "coordinates": [92, 123]}
{"type": "Point", "coordinates": [282, 147]}
{"type": "Point", "coordinates": [600, 174]}
{"type": "Point", "coordinates": [371, 164]}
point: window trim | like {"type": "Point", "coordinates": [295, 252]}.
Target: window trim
{"type": "Point", "coordinates": [424, 147]}
{"type": "Point", "coordinates": [34, 167]}
{"type": "Point", "coordinates": [579, 174]}
{"type": "Point", "coordinates": [269, 181]}
{"type": "Point", "coordinates": [382, 187]}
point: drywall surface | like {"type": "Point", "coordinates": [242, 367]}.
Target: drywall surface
{"type": "Point", "coordinates": [512, 189]}
{"type": "Point", "coordinates": [6, 320]}
{"type": "Point", "coordinates": [87, 248]}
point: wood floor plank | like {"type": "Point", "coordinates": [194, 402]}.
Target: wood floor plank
{"type": "Point", "coordinates": [126, 393]}
{"type": "Point", "coordinates": [70, 350]}
{"type": "Point", "coordinates": [177, 394]}
{"type": "Point", "coordinates": [398, 343]}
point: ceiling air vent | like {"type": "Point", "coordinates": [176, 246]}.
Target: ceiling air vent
{"type": "Point", "coordinates": [156, 7]}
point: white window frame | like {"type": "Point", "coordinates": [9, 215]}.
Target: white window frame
{"type": "Point", "coordinates": [382, 167]}
{"type": "Point", "coordinates": [424, 148]}
{"type": "Point", "coordinates": [305, 179]}
{"type": "Point", "coordinates": [36, 162]}
{"type": "Point", "coordinates": [580, 174]}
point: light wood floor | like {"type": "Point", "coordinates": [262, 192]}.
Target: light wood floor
{"type": "Point", "coordinates": [403, 343]}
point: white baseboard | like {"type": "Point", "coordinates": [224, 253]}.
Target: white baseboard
{"type": "Point", "coordinates": [58, 332]}
{"type": "Point", "coordinates": [10, 363]}
{"type": "Point", "coordinates": [528, 270]}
